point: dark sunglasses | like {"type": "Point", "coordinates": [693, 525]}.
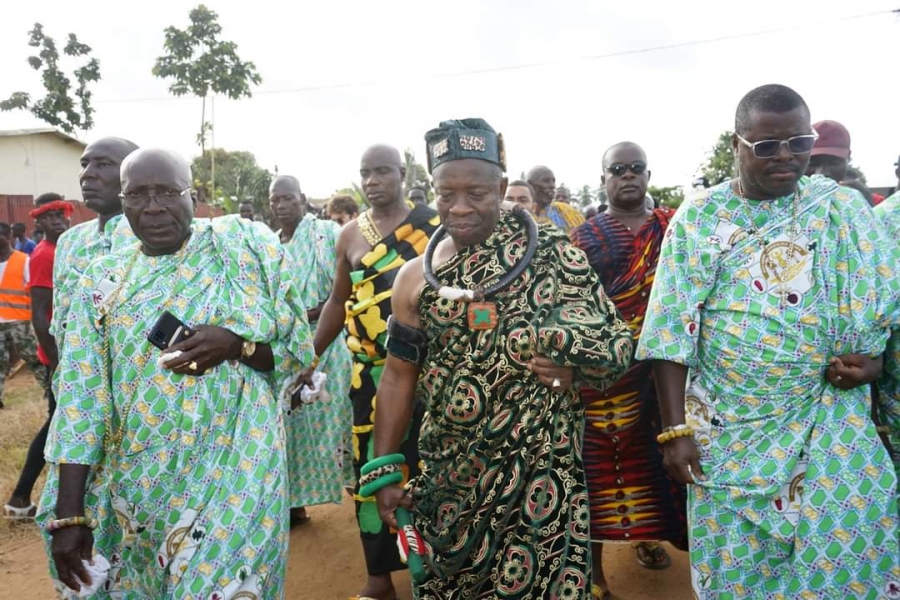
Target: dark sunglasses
{"type": "Point", "coordinates": [619, 169]}
{"type": "Point", "coordinates": [799, 144]}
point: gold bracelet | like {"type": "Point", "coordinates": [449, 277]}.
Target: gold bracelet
{"type": "Point", "coordinates": [674, 432]}
{"type": "Point", "coordinates": [315, 363]}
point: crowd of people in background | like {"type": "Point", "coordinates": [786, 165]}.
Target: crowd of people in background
{"type": "Point", "coordinates": [503, 383]}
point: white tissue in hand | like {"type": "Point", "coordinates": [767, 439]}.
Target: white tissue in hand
{"type": "Point", "coordinates": [99, 571]}
{"type": "Point", "coordinates": [309, 395]}
{"type": "Point", "coordinates": [166, 357]}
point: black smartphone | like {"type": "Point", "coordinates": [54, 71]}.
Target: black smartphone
{"type": "Point", "coordinates": [168, 331]}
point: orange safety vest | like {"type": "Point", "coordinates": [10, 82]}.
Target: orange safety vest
{"type": "Point", "coordinates": [15, 299]}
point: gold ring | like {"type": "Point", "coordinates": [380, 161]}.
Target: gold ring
{"type": "Point", "coordinates": [193, 366]}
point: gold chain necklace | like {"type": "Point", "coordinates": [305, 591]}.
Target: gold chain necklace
{"type": "Point", "coordinates": [114, 438]}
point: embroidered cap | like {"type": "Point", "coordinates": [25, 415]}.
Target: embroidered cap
{"type": "Point", "coordinates": [464, 138]}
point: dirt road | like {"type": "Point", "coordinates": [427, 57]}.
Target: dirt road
{"type": "Point", "coordinates": [326, 564]}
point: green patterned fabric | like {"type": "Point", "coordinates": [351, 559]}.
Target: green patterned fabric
{"type": "Point", "coordinates": [501, 502]}
{"type": "Point", "coordinates": [888, 400]}
{"type": "Point", "coordinates": [800, 497]}
{"type": "Point", "coordinates": [319, 442]}
{"type": "Point", "coordinates": [198, 483]}
{"type": "Point", "coordinates": [76, 249]}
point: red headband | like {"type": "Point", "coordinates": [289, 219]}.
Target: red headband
{"type": "Point", "coordinates": [66, 208]}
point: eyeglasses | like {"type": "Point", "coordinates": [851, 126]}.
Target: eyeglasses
{"type": "Point", "coordinates": [163, 198]}
{"type": "Point", "coordinates": [619, 169]}
{"type": "Point", "coordinates": [799, 144]}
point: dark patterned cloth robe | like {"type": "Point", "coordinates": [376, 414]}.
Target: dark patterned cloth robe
{"type": "Point", "coordinates": [501, 502]}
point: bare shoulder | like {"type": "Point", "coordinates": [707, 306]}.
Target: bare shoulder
{"type": "Point", "coordinates": [351, 245]}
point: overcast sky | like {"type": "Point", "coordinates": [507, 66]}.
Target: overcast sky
{"type": "Point", "coordinates": [562, 81]}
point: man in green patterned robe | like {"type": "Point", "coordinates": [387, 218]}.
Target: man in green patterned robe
{"type": "Point", "coordinates": [79, 246]}
{"type": "Point", "coordinates": [777, 292]}
{"type": "Point", "coordinates": [189, 445]}
{"type": "Point", "coordinates": [318, 434]}
{"type": "Point", "coordinates": [501, 502]}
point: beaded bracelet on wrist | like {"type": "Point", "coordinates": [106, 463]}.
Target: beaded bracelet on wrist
{"type": "Point", "coordinates": [57, 524]}
{"type": "Point", "coordinates": [674, 432]}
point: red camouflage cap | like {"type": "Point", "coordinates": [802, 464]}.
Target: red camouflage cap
{"type": "Point", "coordinates": [834, 140]}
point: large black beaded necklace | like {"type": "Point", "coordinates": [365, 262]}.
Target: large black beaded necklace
{"type": "Point", "coordinates": [481, 313]}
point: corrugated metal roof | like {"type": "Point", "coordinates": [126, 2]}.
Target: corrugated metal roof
{"type": "Point", "coordinates": [40, 131]}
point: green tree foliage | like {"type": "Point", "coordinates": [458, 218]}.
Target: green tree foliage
{"type": "Point", "coordinates": [719, 165]}
{"type": "Point", "coordinates": [416, 175]}
{"type": "Point", "coordinates": [238, 177]}
{"type": "Point", "coordinates": [585, 196]}
{"type": "Point", "coordinates": [199, 63]}
{"type": "Point", "coordinates": [59, 107]}
{"type": "Point", "coordinates": [671, 196]}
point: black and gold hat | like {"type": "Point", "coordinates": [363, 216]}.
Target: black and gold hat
{"type": "Point", "coordinates": [464, 138]}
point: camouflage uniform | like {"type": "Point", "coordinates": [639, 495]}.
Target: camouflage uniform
{"type": "Point", "coordinates": [21, 334]}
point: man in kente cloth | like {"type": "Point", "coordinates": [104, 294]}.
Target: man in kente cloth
{"type": "Point", "coordinates": [633, 499]}
{"type": "Point", "coordinates": [777, 292]}
{"type": "Point", "coordinates": [318, 433]}
{"type": "Point", "coordinates": [501, 502]}
{"type": "Point", "coordinates": [190, 438]}
{"type": "Point", "coordinates": [370, 252]}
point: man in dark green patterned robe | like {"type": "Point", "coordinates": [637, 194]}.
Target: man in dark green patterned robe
{"type": "Point", "coordinates": [501, 503]}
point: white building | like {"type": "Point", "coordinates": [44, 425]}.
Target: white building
{"type": "Point", "coordinates": [35, 161]}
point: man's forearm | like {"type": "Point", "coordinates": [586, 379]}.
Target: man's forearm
{"type": "Point", "coordinates": [670, 379]}
{"type": "Point", "coordinates": [72, 485]}
{"type": "Point", "coordinates": [313, 314]}
{"type": "Point", "coordinates": [331, 321]}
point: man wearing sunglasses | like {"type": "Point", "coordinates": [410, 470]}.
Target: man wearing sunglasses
{"type": "Point", "coordinates": [632, 498]}
{"type": "Point", "coordinates": [777, 291]}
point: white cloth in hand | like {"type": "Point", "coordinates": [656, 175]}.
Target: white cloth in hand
{"type": "Point", "coordinates": [308, 395]}
{"type": "Point", "coordinates": [98, 571]}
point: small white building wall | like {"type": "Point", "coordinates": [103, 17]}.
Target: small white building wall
{"type": "Point", "coordinates": [36, 163]}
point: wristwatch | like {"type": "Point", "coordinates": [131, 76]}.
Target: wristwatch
{"type": "Point", "coordinates": [248, 349]}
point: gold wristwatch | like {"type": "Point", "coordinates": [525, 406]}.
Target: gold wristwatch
{"type": "Point", "coordinates": [248, 349]}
